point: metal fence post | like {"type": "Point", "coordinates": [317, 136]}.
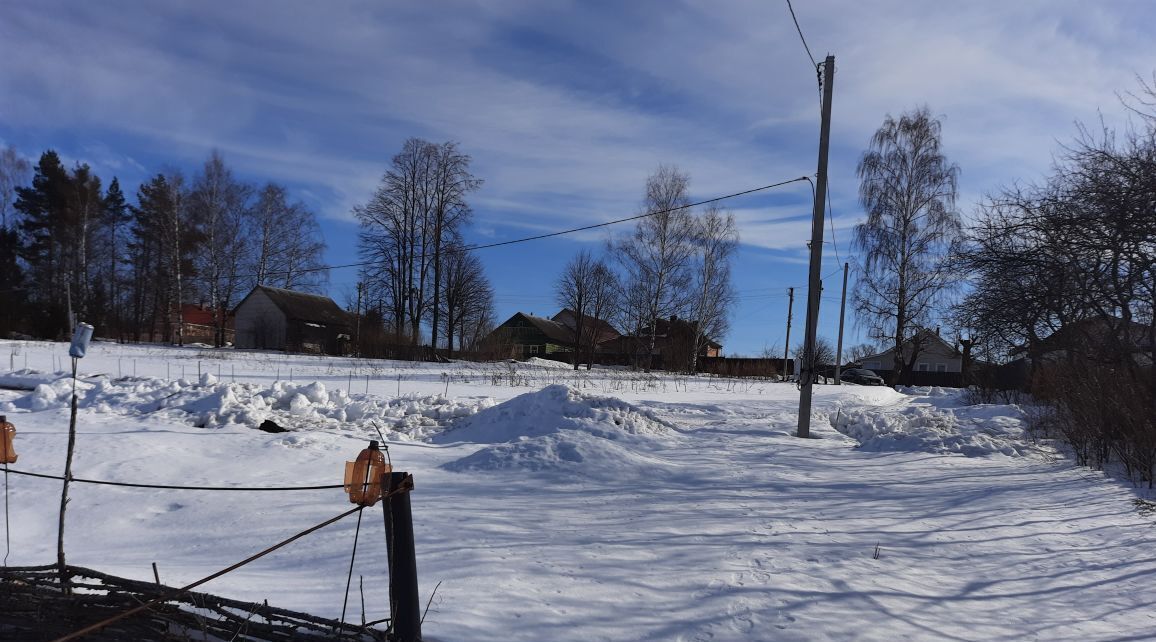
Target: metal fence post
{"type": "Point", "coordinates": [405, 607]}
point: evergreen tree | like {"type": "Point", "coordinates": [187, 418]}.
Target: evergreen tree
{"type": "Point", "coordinates": [114, 220]}
{"type": "Point", "coordinates": [11, 282]}
{"type": "Point", "coordinates": [43, 207]}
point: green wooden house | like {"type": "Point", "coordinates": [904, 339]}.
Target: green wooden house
{"type": "Point", "coordinates": [524, 335]}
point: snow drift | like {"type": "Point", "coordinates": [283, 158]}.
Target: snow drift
{"type": "Point", "coordinates": [936, 421]}
{"type": "Point", "coordinates": [561, 428]}
{"type": "Point", "coordinates": [209, 403]}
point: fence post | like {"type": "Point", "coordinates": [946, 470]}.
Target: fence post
{"type": "Point", "coordinates": [404, 606]}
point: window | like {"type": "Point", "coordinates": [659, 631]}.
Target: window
{"type": "Point", "coordinates": [922, 367]}
{"type": "Point", "coordinates": [533, 349]}
{"type": "Point", "coordinates": [941, 367]}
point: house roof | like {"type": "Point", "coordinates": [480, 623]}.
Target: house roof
{"type": "Point", "coordinates": [924, 333]}
{"type": "Point", "coordinates": [662, 329]}
{"type": "Point", "coordinates": [302, 306]}
{"type": "Point", "coordinates": [553, 330]}
{"type": "Point", "coordinates": [603, 329]}
{"type": "Point", "coordinates": [1081, 333]}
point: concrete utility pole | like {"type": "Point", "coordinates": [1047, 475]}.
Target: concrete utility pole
{"type": "Point", "coordinates": [357, 331]}
{"type": "Point", "coordinates": [787, 347]}
{"type": "Point", "coordinates": [807, 371]}
{"type": "Point", "coordinates": [842, 310]}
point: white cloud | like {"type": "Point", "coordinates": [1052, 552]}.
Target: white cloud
{"type": "Point", "coordinates": [566, 107]}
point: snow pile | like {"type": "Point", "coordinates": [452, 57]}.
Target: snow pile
{"type": "Point", "coordinates": [26, 379]}
{"type": "Point", "coordinates": [560, 428]}
{"type": "Point", "coordinates": [208, 403]}
{"type": "Point", "coordinates": [937, 422]}
{"type": "Point", "coordinates": [550, 364]}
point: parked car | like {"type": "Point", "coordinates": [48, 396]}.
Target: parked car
{"type": "Point", "coordinates": [861, 376]}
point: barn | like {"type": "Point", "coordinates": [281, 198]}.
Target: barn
{"type": "Point", "coordinates": [276, 319]}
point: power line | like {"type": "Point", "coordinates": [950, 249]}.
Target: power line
{"type": "Point", "coordinates": [831, 218]}
{"type": "Point", "coordinates": [800, 30]}
{"type": "Point", "coordinates": [169, 487]}
{"type": "Point", "coordinates": [538, 237]}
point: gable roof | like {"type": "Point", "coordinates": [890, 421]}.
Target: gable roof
{"type": "Point", "coordinates": [923, 333]}
{"type": "Point", "coordinates": [663, 327]}
{"type": "Point", "coordinates": [1086, 333]}
{"type": "Point", "coordinates": [603, 330]}
{"type": "Point", "coordinates": [552, 329]}
{"type": "Point", "coordinates": [302, 306]}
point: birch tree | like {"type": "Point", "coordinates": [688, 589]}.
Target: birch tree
{"type": "Point", "coordinates": [15, 171]}
{"type": "Point", "coordinates": [908, 190]}
{"type": "Point", "coordinates": [219, 206]}
{"type": "Point", "coordinates": [715, 240]}
{"type": "Point", "coordinates": [656, 256]}
{"type": "Point", "coordinates": [285, 242]}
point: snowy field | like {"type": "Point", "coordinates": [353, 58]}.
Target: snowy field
{"type": "Point", "coordinates": [603, 505]}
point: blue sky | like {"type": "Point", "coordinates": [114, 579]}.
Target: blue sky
{"type": "Point", "coordinates": [566, 107]}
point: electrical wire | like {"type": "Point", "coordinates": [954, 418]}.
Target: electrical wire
{"type": "Point", "coordinates": [172, 487]}
{"type": "Point", "coordinates": [800, 30]}
{"type": "Point", "coordinates": [526, 239]}
{"type": "Point", "coordinates": [831, 218]}
{"type": "Point", "coordinates": [538, 237]}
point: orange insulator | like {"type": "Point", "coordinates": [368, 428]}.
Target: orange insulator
{"type": "Point", "coordinates": [365, 476]}
{"type": "Point", "coordinates": [7, 448]}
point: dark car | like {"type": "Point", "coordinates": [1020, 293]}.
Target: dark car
{"type": "Point", "coordinates": [861, 376]}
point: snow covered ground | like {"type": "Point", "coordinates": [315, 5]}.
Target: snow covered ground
{"type": "Point", "coordinates": [603, 505]}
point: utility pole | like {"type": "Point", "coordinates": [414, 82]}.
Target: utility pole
{"type": "Point", "coordinates": [807, 371]}
{"type": "Point", "coordinates": [787, 346]}
{"type": "Point", "coordinates": [357, 331]}
{"type": "Point", "coordinates": [842, 310]}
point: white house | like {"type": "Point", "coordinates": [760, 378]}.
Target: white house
{"type": "Point", "coordinates": [934, 355]}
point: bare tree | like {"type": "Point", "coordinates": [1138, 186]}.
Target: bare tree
{"type": "Point", "coordinates": [15, 171]}
{"type": "Point", "coordinates": [85, 202]}
{"type": "Point", "coordinates": [572, 291]}
{"type": "Point", "coordinates": [715, 241]}
{"type": "Point", "coordinates": [219, 205]}
{"type": "Point", "coordinates": [180, 237]}
{"type": "Point", "coordinates": [1064, 272]}
{"type": "Point", "coordinates": [857, 352]}
{"type": "Point", "coordinates": [467, 298]}
{"type": "Point", "coordinates": [656, 256]}
{"type": "Point", "coordinates": [588, 290]}
{"type": "Point", "coordinates": [908, 190]}
{"type": "Point", "coordinates": [286, 243]}
{"type": "Point", "coordinates": [604, 289]}
{"type": "Point", "coordinates": [451, 182]}
{"type": "Point", "coordinates": [824, 356]}
{"type": "Point", "coordinates": [418, 206]}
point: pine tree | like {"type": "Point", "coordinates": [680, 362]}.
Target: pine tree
{"type": "Point", "coordinates": [43, 207]}
{"type": "Point", "coordinates": [114, 220]}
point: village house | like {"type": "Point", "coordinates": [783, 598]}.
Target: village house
{"type": "Point", "coordinates": [673, 345]}
{"type": "Point", "coordinates": [524, 335]}
{"type": "Point", "coordinates": [276, 319]}
{"type": "Point", "coordinates": [199, 326]}
{"type": "Point", "coordinates": [937, 362]}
